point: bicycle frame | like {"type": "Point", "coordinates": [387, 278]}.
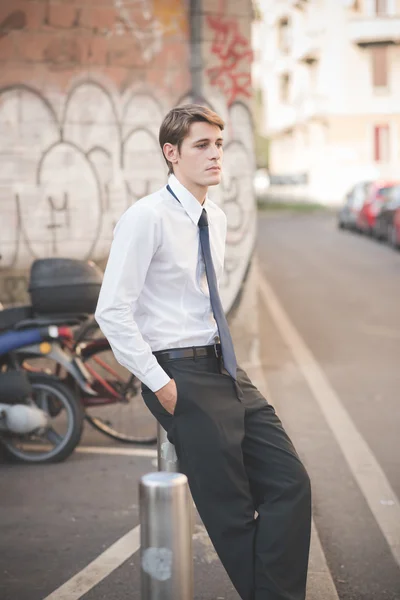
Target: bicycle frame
{"type": "Point", "coordinates": [73, 365]}
{"type": "Point", "coordinates": [87, 350]}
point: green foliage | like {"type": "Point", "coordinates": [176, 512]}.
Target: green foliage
{"type": "Point", "coordinates": [261, 142]}
{"type": "Point", "coordinates": [262, 150]}
{"type": "Point", "coordinates": [294, 206]}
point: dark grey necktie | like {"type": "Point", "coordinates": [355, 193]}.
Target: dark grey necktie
{"type": "Point", "coordinates": [228, 352]}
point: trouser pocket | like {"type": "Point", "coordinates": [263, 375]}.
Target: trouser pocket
{"type": "Point", "coordinates": [157, 410]}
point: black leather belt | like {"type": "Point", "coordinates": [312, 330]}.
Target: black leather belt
{"type": "Point", "coordinates": [193, 352]}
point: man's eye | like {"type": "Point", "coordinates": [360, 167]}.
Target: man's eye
{"type": "Point", "coordinates": [202, 145]}
{"type": "Point", "coordinates": [220, 145]}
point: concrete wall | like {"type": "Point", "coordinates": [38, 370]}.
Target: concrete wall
{"type": "Point", "coordinates": [84, 85]}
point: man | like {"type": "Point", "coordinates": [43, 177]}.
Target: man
{"type": "Point", "coordinates": [160, 309]}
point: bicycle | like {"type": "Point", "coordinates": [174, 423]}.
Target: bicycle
{"type": "Point", "coordinates": [118, 409]}
{"type": "Point", "coordinates": [65, 292]}
{"type": "Point", "coordinates": [109, 394]}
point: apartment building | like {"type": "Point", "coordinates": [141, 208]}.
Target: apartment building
{"type": "Point", "coordinates": [329, 72]}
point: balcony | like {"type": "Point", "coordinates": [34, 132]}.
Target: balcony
{"type": "Point", "coordinates": [374, 30]}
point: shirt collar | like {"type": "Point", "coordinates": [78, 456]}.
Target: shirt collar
{"type": "Point", "coordinates": [191, 205]}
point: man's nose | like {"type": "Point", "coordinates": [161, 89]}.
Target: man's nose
{"type": "Point", "coordinates": [214, 153]}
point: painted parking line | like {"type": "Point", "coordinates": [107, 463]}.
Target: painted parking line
{"type": "Point", "coordinates": [320, 585]}
{"type": "Point", "coordinates": [99, 568]}
{"type": "Point", "coordinates": [366, 470]}
{"type": "Point", "coordinates": [146, 452]}
{"type": "Point", "coordinates": [105, 450]}
{"type": "Point", "coordinates": [115, 555]}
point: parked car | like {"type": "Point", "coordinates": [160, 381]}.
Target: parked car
{"type": "Point", "coordinates": [354, 201]}
{"type": "Point", "coordinates": [394, 238]}
{"type": "Point", "coordinates": [378, 195]}
{"type": "Point", "coordinates": [387, 223]}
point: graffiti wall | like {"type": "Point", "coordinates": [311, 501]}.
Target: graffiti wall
{"type": "Point", "coordinates": [83, 90]}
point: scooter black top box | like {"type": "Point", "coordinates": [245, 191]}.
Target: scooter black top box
{"type": "Point", "coordinates": [64, 285]}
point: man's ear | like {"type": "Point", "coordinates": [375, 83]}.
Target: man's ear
{"type": "Point", "coordinates": [171, 153]}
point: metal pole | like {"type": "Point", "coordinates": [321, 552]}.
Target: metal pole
{"type": "Point", "coordinates": [166, 455]}
{"type": "Point", "coordinates": [166, 537]}
{"type": "Point", "coordinates": [168, 461]}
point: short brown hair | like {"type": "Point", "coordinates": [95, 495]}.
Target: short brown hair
{"type": "Point", "coordinates": [176, 125]}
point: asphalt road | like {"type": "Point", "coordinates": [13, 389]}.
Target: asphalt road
{"type": "Point", "coordinates": [341, 294]}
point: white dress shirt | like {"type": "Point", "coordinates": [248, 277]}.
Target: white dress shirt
{"type": "Point", "coordinates": [154, 294]}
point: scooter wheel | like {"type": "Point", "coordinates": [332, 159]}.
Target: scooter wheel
{"type": "Point", "coordinates": [60, 438]}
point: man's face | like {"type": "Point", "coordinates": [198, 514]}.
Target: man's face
{"type": "Point", "coordinates": [200, 158]}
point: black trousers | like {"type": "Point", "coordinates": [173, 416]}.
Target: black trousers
{"type": "Point", "coordinates": [238, 460]}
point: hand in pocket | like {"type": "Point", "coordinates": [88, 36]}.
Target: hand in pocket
{"type": "Point", "coordinates": [168, 396]}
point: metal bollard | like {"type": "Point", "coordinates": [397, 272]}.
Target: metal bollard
{"type": "Point", "coordinates": [166, 455]}
{"type": "Point", "coordinates": [166, 537]}
{"type": "Point", "coordinates": [168, 461]}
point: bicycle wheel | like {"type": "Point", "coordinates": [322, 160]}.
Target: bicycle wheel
{"type": "Point", "coordinates": [118, 411]}
{"type": "Point", "coordinates": [58, 441]}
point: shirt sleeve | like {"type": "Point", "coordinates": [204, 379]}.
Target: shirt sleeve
{"type": "Point", "coordinates": [136, 238]}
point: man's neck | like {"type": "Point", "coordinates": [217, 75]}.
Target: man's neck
{"type": "Point", "coordinates": [198, 191]}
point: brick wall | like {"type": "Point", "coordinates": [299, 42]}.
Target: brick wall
{"type": "Point", "coordinates": [84, 85]}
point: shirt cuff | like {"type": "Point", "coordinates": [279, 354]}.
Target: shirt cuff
{"type": "Point", "coordinates": [156, 378]}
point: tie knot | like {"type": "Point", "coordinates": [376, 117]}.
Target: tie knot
{"type": "Point", "coordinates": [203, 221]}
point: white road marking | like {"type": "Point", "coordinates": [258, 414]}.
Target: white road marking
{"type": "Point", "coordinates": [147, 452]}
{"type": "Point", "coordinates": [115, 555]}
{"type": "Point", "coordinates": [99, 568]}
{"type": "Point", "coordinates": [116, 451]}
{"type": "Point", "coordinates": [369, 475]}
{"type": "Point", "coordinates": [320, 585]}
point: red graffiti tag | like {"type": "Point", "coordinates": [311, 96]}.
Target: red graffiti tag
{"type": "Point", "coordinates": [231, 48]}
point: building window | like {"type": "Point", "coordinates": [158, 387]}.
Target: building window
{"type": "Point", "coordinates": [381, 8]}
{"type": "Point", "coordinates": [284, 88]}
{"type": "Point", "coordinates": [381, 143]}
{"type": "Point", "coordinates": [312, 75]}
{"type": "Point", "coordinates": [379, 60]}
{"type": "Point", "coordinates": [284, 35]}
